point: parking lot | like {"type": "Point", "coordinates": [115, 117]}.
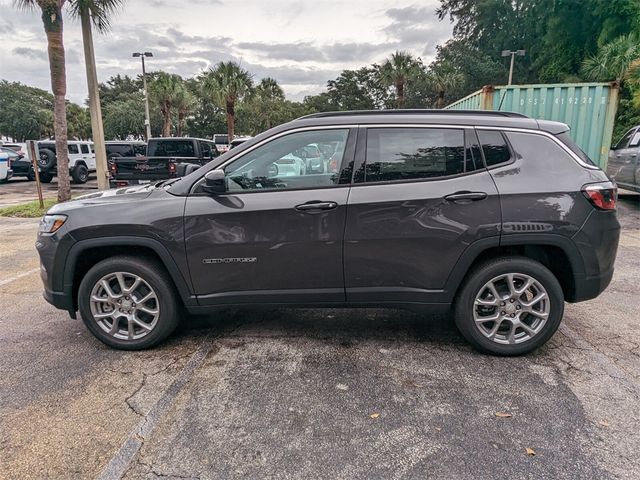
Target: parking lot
{"type": "Point", "coordinates": [20, 190]}
{"type": "Point", "coordinates": [317, 394]}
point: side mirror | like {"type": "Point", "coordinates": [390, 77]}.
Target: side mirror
{"type": "Point", "coordinates": [215, 182]}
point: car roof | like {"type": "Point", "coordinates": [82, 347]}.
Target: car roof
{"type": "Point", "coordinates": [126, 142]}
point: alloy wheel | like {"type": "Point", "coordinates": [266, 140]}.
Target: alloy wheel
{"type": "Point", "coordinates": [124, 305]}
{"type": "Point", "coordinates": [511, 308]}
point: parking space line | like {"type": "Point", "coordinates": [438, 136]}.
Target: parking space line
{"type": "Point", "coordinates": [16, 277]}
{"type": "Point", "coordinates": [601, 359]}
{"type": "Point", "coordinates": [120, 462]}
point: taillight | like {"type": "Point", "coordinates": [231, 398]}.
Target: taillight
{"type": "Point", "coordinates": [603, 196]}
{"type": "Point", "coordinates": [113, 168]}
{"type": "Point", "coordinates": [172, 168]}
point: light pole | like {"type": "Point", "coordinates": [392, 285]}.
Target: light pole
{"type": "Point", "coordinates": [513, 53]}
{"type": "Point", "coordinates": [147, 122]}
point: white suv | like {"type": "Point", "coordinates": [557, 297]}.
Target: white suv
{"type": "Point", "coordinates": [82, 160]}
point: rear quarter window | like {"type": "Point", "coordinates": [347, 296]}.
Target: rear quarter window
{"type": "Point", "coordinates": [494, 147]}
{"type": "Point", "coordinates": [568, 141]}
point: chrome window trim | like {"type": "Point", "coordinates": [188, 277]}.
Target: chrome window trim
{"type": "Point", "coordinates": [557, 141]}
{"type": "Point", "coordinates": [575, 157]}
{"type": "Point", "coordinates": [271, 138]}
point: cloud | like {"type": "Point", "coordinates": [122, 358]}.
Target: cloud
{"type": "Point", "coordinates": [33, 53]}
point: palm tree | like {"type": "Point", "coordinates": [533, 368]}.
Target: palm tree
{"type": "Point", "coordinates": [53, 28]}
{"type": "Point", "coordinates": [399, 70]}
{"type": "Point", "coordinates": [442, 81]}
{"type": "Point", "coordinates": [184, 102]}
{"type": "Point", "coordinates": [227, 84]}
{"type": "Point", "coordinates": [268, 95]}
{"type": "Point", "coordinates": [613, 60]}
{"type": "Point", "coordinates": [52, 20]}
{"type": "Point", "coordinates": [164, 90]}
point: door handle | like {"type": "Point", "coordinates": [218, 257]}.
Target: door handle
{"type": "Point", "coordinates": [618, 155]}
{"type": "Point", "coordinates": [466, 196]}
{"type": "Point", "coordinates": [316, 205]}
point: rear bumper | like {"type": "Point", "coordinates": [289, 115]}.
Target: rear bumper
{"type": "Point", "coordinates": [587, 287]}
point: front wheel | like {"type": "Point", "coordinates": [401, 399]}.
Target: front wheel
{"type": "Point", "coordinates": [509, 306]}
{"type": "Point", "coordinates": [128, 303]}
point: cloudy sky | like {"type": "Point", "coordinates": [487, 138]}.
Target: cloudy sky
{"type": "Point", "coordinates": [302, 44]}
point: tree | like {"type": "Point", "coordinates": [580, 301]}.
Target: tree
{"type": "Point", "coordinates": [442, 80]}
{"type": "Point", "coordinates": [398, 71]}
{"type": "Point", "coordinates": [184, 102]}
{"type": "Point", "coordinates": [53, 27]}
{"type": "Point", "coordinates": [164, 90]}
{"type": "Point", "coordinates": [613, 60]}
{"type": "Point", "coordinates": [268, 96]}
{"type": "Point", "coordinates": [360, 89]}
{"type": "Point", "coordinates": [227, 84]}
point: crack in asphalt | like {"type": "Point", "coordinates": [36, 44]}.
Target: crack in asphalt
{"type": "Point", "coordinates": [121, 461]}
{"type": "Point", "coordinates": [603, 361]}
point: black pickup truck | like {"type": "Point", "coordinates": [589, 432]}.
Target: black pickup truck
{"type": "Point", "coordinates": [166, 158]}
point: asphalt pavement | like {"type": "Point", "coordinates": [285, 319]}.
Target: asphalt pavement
{"type": "Point", "coordinates": [335, 394]}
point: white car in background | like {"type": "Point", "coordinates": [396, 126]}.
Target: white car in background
{"type": "Point", "coordinates": [5, 167]}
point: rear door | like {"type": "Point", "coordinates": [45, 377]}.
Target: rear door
{"type": "Point", "coordinates": [421, 196]}
{"type": "Point", "coordinates": [275, 236]}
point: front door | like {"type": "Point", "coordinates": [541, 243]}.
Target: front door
{"type": "Point", "coordinates": [276, 235]}
{"type": "Point", "coordinates": [420, 198]}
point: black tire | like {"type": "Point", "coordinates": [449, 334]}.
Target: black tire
{"type": "Point", "coordinates": [47, 159]}
{"type": "Point", "coordinates": [31, 176]}
{"type": "Point", "coordinates": [155, 276]}
{"type": "Point", "coordinates": [80, 174]}
{"type": "Point", "coordinates": [473, 285]}
{"type": "Point", "coordinates": [45, 177]}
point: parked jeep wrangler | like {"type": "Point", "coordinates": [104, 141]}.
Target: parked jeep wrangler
{"type": "Point", "coordinates": [495, 216]}
{"type": "Point", "coordinates": [82, 160]}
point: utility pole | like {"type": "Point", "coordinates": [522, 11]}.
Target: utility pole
{"type": "Point", "coordinates": [513, 53]}
{"type": "Point", "coordinates": [97, 129]}
{"type": "Point", "coordinates": [147, 122]}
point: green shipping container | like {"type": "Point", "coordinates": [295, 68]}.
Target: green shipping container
{"type": "Point", "coordinates": [588, 108]}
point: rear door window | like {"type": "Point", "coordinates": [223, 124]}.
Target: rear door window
{"type": "Point", "coordinates": [415, 153]}
{"type": "Point", "coordinates": [494, 147]}
{"type": "Point", "coordinates": [84, 148]}
{"type": "Point", "coordinates": [73, 149]}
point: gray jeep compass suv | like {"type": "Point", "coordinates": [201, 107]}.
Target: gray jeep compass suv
{"type": "Point", "coordinates": [495, 216]}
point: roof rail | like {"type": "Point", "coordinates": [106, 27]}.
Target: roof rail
{"type": "Point", "coordinates": [414, 111]}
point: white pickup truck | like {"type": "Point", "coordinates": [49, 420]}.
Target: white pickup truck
{"type": "Point", "coordinates": [82, 160]}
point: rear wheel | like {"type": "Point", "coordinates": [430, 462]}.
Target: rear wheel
{"type": "Point", "coordinates": [128, 303]}
{"type": "Point", "coordinates": [80, 173]}
{"type": "Point", "coordinates": [509, 306]}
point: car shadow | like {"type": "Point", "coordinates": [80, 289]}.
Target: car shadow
{"type": "Point", "coordinates": [342, 326]}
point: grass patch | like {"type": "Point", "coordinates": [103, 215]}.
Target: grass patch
{"type": "Point", "coordinates": [28, 210]}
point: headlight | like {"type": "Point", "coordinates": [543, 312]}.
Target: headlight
{"type": "Point", "coordinates": [51, 223]}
